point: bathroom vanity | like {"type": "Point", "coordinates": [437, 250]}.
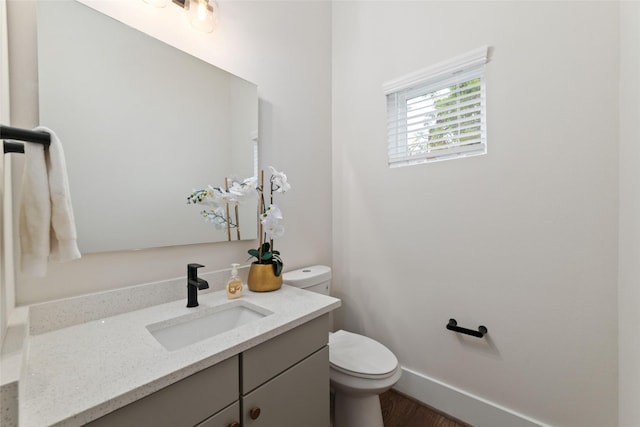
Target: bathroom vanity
{"type": "Point", "coordinates": [115, 371]}
{"type": "Point", "coordinates": [282, 382]}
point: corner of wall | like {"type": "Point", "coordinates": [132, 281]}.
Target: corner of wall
{"type": "Point", "coordinates": [629, 217]}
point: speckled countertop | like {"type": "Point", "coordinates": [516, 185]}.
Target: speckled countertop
{"type": "Point", "coordinates": [79, 373]}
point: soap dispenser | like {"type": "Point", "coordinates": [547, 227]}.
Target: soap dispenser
{"type": "Point", "coordinates": [234, 285]}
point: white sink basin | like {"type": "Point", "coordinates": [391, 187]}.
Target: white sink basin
{"type": "Point", "coordinates": [204, 322]}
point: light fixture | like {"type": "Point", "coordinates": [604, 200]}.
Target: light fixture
{"type": "Point", "coordinates": [203, 14]}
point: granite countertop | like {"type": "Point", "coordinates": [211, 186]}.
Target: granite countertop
{"type": "Point", "coordinates": [76, 374]}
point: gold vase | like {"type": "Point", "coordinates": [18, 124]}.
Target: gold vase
{"type": "Point", "coordinates": [262, 278]}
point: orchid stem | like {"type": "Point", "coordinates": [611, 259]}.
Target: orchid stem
{"type": "Point", "coordinates": [271, 202]}
{"type": "Point", "coordinates": [237, 222]}
{"type": "Point", "coordinates": [226, 188]}
{"type": "Point", "coordinates": [260, 211]}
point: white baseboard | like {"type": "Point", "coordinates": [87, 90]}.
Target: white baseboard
{"type": "Point", "coordinates": [460, 404]}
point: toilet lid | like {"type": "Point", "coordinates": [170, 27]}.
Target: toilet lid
{"type": "Point", "coordinates": [359, 355]}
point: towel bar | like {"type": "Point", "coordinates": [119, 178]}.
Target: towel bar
{"type": "Point", "coordinates": [453, 326]}
{"type": "Point", "coordinates": [8, 132]}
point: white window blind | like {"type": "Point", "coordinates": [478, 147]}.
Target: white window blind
{"type": "Point", "coordinates": [438, 113]}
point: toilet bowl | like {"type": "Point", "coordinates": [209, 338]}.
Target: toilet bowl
{"type": "Point", "coordinates": [360, 367]}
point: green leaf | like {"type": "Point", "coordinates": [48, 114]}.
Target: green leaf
{"type": "Point", "coordinates": [278, 268]}
{"type": "Point", "coordinates": [254, 252]}
{"type": "Point", "coordinates": [265, 247]}
{"type": "Point", "coordinates": [267, 256]}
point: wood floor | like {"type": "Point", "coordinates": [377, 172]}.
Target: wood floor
{"type": "Point", "coordinates": [401, 411]}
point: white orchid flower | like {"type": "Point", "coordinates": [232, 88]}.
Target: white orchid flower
{"type": "Point", "coordinates": [279, 181]}
{"type": "Point", "coordinates": [271, 221]}
{"type": "Point", "coordinates": [220, 196]}
{"type": "Point", "coordinates": [272, 212]}
{"type": "Point", "coordinates": [216, 217]}
{"type": "Point", "coordinates": [241, 191]}
{"type": "Point", "coordinates": [236, 191]}
{"type": "Point", "coordinates": [250, 182]}
{"type": "Point", "coordinates": [272, 228]}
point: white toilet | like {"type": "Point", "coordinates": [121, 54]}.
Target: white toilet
{"type": "Point", "coordinates": [360, 367]}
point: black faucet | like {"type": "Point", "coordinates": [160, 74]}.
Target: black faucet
{"type": "Point", "coordinates": [193, 284]}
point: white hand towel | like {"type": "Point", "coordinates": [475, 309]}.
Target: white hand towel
{"type": "Point", "coordinates": [35, 211]}
{"type": "Point", "coordinates": [47, 225]}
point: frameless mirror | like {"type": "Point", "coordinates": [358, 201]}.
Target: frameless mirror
{"type": "Point", "coordinates": [142, 125]}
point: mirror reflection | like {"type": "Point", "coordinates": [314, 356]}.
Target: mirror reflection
{"type": "Point", "coordinates": [142, 124]}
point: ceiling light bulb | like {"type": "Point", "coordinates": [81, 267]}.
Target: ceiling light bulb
{"type": "Point", "coordinates": [202, 11]}
{"type": "Point", "coordinates": [203, 14]}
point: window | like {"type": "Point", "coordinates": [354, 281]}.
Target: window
{"type": "Point", "coordinates": [438, 113]}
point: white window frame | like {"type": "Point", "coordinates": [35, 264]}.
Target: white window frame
{"type": "Point", "coordinates": [427, 82]}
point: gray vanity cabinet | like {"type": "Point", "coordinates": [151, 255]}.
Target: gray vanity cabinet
{"type": "Point", "coordinates": [283, 382]}
{"type": "Point", "coordinates": [297, 397]}
{"type": "Point", "coordinates": [182, 404]}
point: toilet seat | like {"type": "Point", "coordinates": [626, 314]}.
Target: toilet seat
{"type": "Point", "coordinates": [360, 356]}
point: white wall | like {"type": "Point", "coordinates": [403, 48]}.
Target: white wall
{"type": "Point", "coordinates": [522, 240]}
{"type": "Point", "coordinates": [629, 245]}
{"type": "Point", "coordinates": [283, 47]}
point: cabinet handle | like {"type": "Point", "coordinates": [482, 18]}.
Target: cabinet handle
{"type": "Point", "coordinates": [234, 424]}
{"type": "Point", "coordinates": [254, 413]}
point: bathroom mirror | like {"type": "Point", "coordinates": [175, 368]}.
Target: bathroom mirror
{"type": "Point", "coordinates": [142, 125]}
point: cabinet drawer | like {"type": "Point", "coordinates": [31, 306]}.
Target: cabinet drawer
{"type": "Point", "coordinates": [185, 403]}
{"type": "Point", "coordinates": [299, 397]}
{"type": "Point", "coordinates": [265, 361]}
{"type": "Point", "coordinates": [225, 418]}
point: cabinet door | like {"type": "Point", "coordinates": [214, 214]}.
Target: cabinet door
{"type": "Point", "coordinates": [265, 361]}
{"type": "Point", "coordinates": [228, 417]}
{"type": "Point", "coordinates": [299, 397]}
{"type": "Point", "coordinates": [182, 404]}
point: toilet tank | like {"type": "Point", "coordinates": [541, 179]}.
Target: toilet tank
{"type": "Point", "coordinates": [316, 278]}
